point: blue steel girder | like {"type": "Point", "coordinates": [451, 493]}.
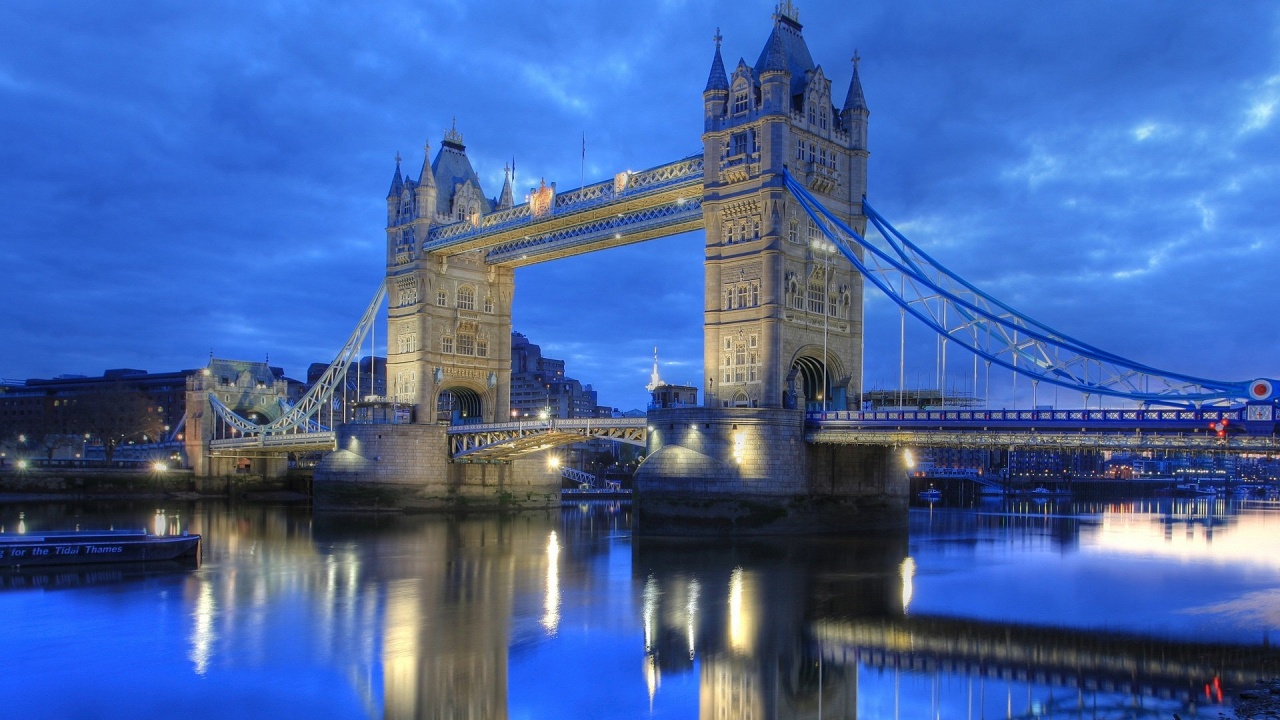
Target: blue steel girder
{"type": "Point", "coordinates": [632, 207]}
{"type": "Point", "coordinates": [503, 442]}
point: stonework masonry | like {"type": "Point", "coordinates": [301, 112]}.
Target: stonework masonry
{"type": "Point", "coordinates": [407, 467]}
{"type": "Point", "coordinates": [749, 471]}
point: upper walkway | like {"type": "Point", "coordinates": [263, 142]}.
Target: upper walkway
{"type": "Point", "coordinates": [633, 206]}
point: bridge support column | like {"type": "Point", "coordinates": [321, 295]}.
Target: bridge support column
{"type": "Point", "coordinates": [749, 471]}
{"type": "Point", "coordinates": [407, 467]}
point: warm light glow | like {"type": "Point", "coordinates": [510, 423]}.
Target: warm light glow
{"type": "Point", "coordinates": [159, 466]}
{"type": "Point", "coordinates": [691, 610]}
{"type": "Point", "coordinates": [22, 464]}
{"type": "Point", "coordinates": [908, 572]}
{"type": "Point", "coordinates": [739, 445]}
{"type": "Point", "coordinates": [908, 458]}
{"type": "Point", "coordinates": [741, 611]}
{"type": "Point", "coordinates": [554, 462]}
{"type": "Point", "coordinates": [203, 634]}
{"type": "Point", "coordinates": [551, 610]}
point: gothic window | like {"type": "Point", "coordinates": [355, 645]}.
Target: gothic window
{"type": "Point", "coordinates": [822, 118]}
{"type": "Point", "coordinates": [728, 344]}
{"type": "Point", "coordinates": [793, 231]}
{"type": "Point", "coordinates": [446, 344]}
{"type": "Point", "coordinates": [466, 298]}
{"type": "Point", "coordinates": [753, 364]}
{"type": "Point", "coordinates": [753, 340]}
{"type": "Point", "coordinates": [822, 156]}
{"type": "Point", "coordinates": [482, 347]}
{"type": "Point", "coordinates": [728, 299]}
{"type": "Point", "coordinates": [755, 295]}
{"type": "Point", "coordinates": [488, 304]}
{"type": "Point", "coordinates": [740, 363]}
{"type": "Point", "coordinates": [815, 235]}
{"type": "Point", "coordinates": [408, 294]}
{"type": "Point", "coordinates": [740, 100]}
{"type": "Point", "coordinates": [755, 227]}
{"type": "Point", "coordinates": [742, 296]}
{"type": "Point", "coordinates": [406, 384]}
{"type": "Point", "coordinates": [738, 144]}
{"type": "Point", "coordinates": [442, 298]}
{"type": "Point", "coordinates": [408, 343]}
{"type": "Point", "coordinates": [817, 293]}
{"type": "Point", "coordinates": [466, 344]}
{"type": "Point", "coordinates": [799, 149]}
{"type": "Point", "coordinates": [813, 112]}
{"type": "Point", "coordinates": [812, 149]}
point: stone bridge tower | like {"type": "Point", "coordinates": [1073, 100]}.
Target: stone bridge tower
{"type": "Point", "coordinates": [449, 317]}
{"type": "Point", "coordinates": [783, 321]}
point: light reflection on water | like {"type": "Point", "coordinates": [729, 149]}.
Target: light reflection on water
{"type": "Point", "coordinates": [1137, 609]}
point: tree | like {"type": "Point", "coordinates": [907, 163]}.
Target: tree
{"type": "Point", "coordinates": [116, 414]}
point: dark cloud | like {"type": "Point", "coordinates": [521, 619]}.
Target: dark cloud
{"type": "Point", "coordinates": [185, 176]}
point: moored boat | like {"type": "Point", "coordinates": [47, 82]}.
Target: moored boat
{"type": "Point", "coordinates": [91, 547]}
{"type": "Point", "coordinates": [931, 494]}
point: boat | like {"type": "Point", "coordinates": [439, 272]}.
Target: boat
{"type": "Point", "coordinates": [931, 494]}
{"type": "Point", "coordinates": [92, 547]}
{"type": "Point", "coordinates": [1044, 492]}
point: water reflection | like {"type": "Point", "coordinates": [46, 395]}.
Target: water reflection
{"type": "Point", "coordinates": [1060, 611]}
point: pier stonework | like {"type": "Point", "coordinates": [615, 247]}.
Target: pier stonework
{"type": "Point", "coordinates": [407, 467]}
{"type": "Point", "coordinates": [750, 471]}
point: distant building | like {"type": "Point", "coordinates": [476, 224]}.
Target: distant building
{"type": "Point", "coordinates": [539, 384]}
{"type": "Point", "coordinates": [674, 396]}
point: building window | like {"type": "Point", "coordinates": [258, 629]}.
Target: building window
{"type": "Point", "coordinates": [466, 344]}
{"type": "Point", "coordinates": [488, 304]}
{"type": "Point", "coordinates": [738, 144]}
{"type": "Point", "coordinates": [446, 344]}
{"type": "Point", "coordinates": [408, 342]}
{"type": "Point", "coordinates": [793, 231]}
{"type": "Point", "coordinates": [740, 101]}
{"type": "Point", "coordinates": [755, 295]}
{"type": "Point", "coordinates": [817, 293]}
{"type": "Point", "coordinates": [799, 149]}
{"type": "Point", "coordinates": [442, 298]}
{"type": "Point", "coordinates": [742, 296]}
{"type": "Point", "coordinates": [408, 294]}
{"type": "Point", "coordinates": [822, 118]}
{"type": "Point", "coordinates": [482, 348]}
{"type": "Point", "coordinates": [466, 298]}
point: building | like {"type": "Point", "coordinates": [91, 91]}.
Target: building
{"type": "Point", "coordinates": [539, 384]}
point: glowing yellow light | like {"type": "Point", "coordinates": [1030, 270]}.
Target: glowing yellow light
{"type": "Point", "coordinates": [739, 446]}
{"type": "Point", "coordinates": [554, 462]}
{"type": "Point", "coordinates": [908, 572]}
{"type": "Point", "coordinates": [741, 611]}
{"type": "Point", "coordinates": [159, 466]}
{"type": "Point", "coordinates": [908, 458]}
{"type": "Point", "coordinates": [551, 612]}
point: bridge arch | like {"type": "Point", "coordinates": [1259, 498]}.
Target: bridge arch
{"type": "Point", "coordinates": [459, 404]}
{"type": "Point", "coordinates": [807, 384]}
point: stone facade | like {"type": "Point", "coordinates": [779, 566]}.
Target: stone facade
{"type": "Point", "coordinates": [407, 467]}
{"type": "Point", "coordinates": [750, 471]}
{"type": "Point", "coordinates": [254, 391]}
{"type": "Point", "coordinates": [783, 322]}
{"type": "Point", "coordinates": [449, 317]}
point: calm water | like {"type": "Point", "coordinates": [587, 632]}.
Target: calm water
{"type": "Point", "coordinates": [1134, 610]}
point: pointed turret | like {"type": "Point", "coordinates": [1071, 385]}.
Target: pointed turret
{"type": "Point", "coordinates": [426, 178]}
{"type": "Point", "coordinates": [854, 99]}
{"type": "Point", "coordinates": [717, 79]}
{"type": "Point", "coordinates": [774, 57]}
{"type": "Point", "coordinates": [504, 198]}
{"type": "Point", "coordinates": [397, 181]}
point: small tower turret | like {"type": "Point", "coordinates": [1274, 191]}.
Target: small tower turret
{"type": "Point", "coordinates": [393, 195]}
{"type": "Point", "coordinates": [505, 199]}
{"type": "Point", "coordinates": [854, 113]}
{"type": "Point", "coordinates": [715, 98]}
{"type": "Point", "coordinates": [775, 78]}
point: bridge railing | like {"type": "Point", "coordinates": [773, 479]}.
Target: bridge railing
{"type": "Point", "coordinates": [548, 424]}
{"type": "Point", "coordinates": [1023, 416]}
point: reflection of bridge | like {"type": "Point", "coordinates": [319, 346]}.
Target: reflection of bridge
{"type": "Point", "coordinates": [1053, 657]}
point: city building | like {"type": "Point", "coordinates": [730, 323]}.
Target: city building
{"type": "Point", "coordinates": [539, 385]}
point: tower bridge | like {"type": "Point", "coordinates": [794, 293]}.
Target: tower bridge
{"type": "Point", "coordinates": [779, 190]}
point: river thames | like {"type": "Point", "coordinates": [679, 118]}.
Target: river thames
{"type": "Point", "coordinates": [1136, 609]}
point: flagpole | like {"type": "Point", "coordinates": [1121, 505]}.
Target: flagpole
{"type": "Point", "coordinates": [582, 169]}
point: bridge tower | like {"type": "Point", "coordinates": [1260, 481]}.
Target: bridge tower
{"type": "Point", "coordinates": [449, 317]}
{"type": "Point", "coordinates": [783, 320]}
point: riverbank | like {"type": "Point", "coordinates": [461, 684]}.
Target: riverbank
{"type": "Point", "coordinates": [44, 484]}
{"type": "Point", "coordinates": [1259, 703]}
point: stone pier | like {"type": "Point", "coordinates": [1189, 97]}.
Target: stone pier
{"type": "Point", "coordinates": [749, 471]}
{"type": "Point", "coordinates": [407, 467]}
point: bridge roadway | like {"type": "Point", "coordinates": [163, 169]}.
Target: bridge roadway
{"type": "Point", "coordinates": [1094, 660]}
{"type": "Point", "coordinates": [1124, 429]}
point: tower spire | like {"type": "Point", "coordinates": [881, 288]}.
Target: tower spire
{"type": "Point", "coordinates": [717, 79]}
{"type": "Point", "coordinates": [854, 99]}
{"type": "Point", "coordinates": [654, 380]}
{"type": "Point", "coordinates": [397, 182]}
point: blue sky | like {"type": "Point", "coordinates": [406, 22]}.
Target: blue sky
{"type": "Point", "coordinates": [186, 177]}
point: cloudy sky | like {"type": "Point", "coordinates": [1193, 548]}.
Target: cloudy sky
{"type": "Point", "coordinates": [178, 178]}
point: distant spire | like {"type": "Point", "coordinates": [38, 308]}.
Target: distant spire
{"type": "Point", "coordinates": [453, 137]}
{"type": "Point", "coordinates": [654, 380]}
{"type": "Point", "coordinates": [717, 79]}
{"type": "Point", "coordinates": [397, 182]}
{"type": "Point", "coordinates": [854, 100]}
